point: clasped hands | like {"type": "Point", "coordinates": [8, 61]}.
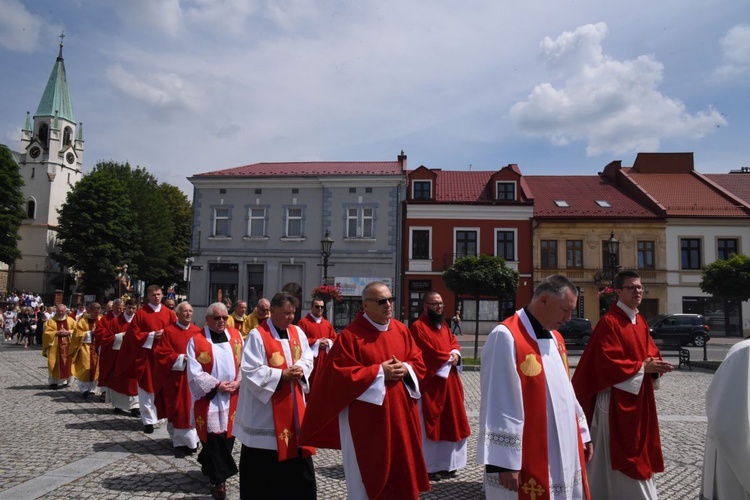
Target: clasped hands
{"type": "Point", "coordinates": [293, 373]}
{"type": "Point", "coordinates": [393, 369]}
{"type": "Point", "coordinates": [229, 386]}
{"type": "Point", "coordinates": [655, 365]}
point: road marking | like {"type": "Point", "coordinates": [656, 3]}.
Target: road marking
{"type": "Point", "coordinates": [39, 486]}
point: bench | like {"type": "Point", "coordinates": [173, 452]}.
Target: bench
{"type": "Point", "coordinates": [675, 348]}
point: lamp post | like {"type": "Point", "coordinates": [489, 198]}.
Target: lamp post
{"type": "Point", "coordinates": [325, 244]}
{"type": "Point", "coordinates": [612, 247]}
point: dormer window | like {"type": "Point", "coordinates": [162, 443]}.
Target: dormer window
{"type": "Point", "coordinates": [506, 191]}
{"type": "Point", "coordinates": [562, 203]}
{"type": "Point", "coordinates": [421, 190]}
{"type": "Point", "coordinates": [603, 203]}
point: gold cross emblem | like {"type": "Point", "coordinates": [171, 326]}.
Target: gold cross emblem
{"type": "Point", "coordinates": [285, 435]}
{"type": "Point", "coordinates": [199, 422]}
{"type": "Point", "coordinates": [532, 489]}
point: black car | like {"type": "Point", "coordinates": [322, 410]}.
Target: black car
{"type": "Point", "coordinates": [685, 328]}
{"type": "Point", "coordinates": [576, 331]}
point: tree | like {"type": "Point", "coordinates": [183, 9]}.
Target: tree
{"type": "Point", "coordinates": [728, 279]}
{"type": "Point", "coordinates": [11, 207]}
{"type": "Point", "coordinates": [180, 210]}
{"type": "Point", "coordinates": [483, 275]}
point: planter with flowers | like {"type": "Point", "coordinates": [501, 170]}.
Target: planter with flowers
{"type": "Point", "coordinates": [328, 293]}
{"type": "Point", "coordinates": [608, 295]}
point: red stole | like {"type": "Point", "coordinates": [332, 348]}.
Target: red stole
{"type": "Point", "coordinates": [204, 355]}
{"type": "Point", "coordinates": [281, 400]}
{"type": "Point", "coordinates": [534, 476]}
{"type": "Point", "coordinates": [63, 350]}
{"type": "Point", "coordinates": [93, 354]}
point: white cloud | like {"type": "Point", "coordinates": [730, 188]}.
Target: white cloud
{"type": "Point", "coordinates": [19, 29]}
{"type": "Point", "coordinates": [735, 52]}
{"type": "Point", "coordinates": [162, 16]}
{"type": "Point", "coordinates": [166, 91]}
{"type": "Point", "coordinates": [615, 106]}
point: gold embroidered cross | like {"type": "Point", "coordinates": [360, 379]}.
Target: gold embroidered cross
{"type": "Point", "coordinates": [532, 489]}
{"type": "Point", "coordinates": [285, 435]}
{"type": "Point", "coordinates": [199, 422]}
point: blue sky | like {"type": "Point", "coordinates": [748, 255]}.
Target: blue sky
{"type": "Point", "coordinates": [188, 86]}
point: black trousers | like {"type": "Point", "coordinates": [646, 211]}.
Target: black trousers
{"type": "Point", "coordinates": [294, 478]}
{"type": "Point", "coordinates": [216, 458]}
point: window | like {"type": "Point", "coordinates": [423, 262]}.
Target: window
{"type": "Point", "coordinates": [31, 209]}
{"type": "Point", "coordinates": [294, 222]}
{"type": "Point", "coordinates": [562, 203]}
{"type": "Point", "coordinates": [257, 223]}
{"type": "Point", "coordinates": [422, 190]}
{"type": "Point", "coordinates": [646, 255]}
{"type": "Point", "coordinates": [549, 254]}
{"type": "Point", "coordinates": [258, 191]}
{"type": "Point", "coordinates": [574, 254]}
{"type": "Point", "coordinates": [466, 244]}
{"type": "Point", "coordinates": [221, 222]}
{"type": "Point", "coordinates": [67, 133]}
{"type": "Point", "coordinates": [690, 253]}
{"type": "Point", "coordinates": [360, 222]}
{"type": "Point", "coordinates": [726, 247]}
{"type": "Point", "coordinates": [603, 203]}
{"type": "Point", "coordinates": [368, 190]}
{"type": "Point", "coordinates": [506, 244]}
{"type": "Point", "coordinates": [506, 191]}
{"type": "Point", "coordinates": [295, 190]}
{"type": "Point", "coordinates": [420, 244]}
{"type": "Point", "coordinates": [352, 190]}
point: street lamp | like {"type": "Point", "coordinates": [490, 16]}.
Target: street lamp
{"type": "Point", "coordinates": [612, 247]}
{"type": "Point", "coordinates": [325, 244]}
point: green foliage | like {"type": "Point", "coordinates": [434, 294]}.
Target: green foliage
{"type": "Point", "coordinates": [11, 206]}
{"type": "Point", "coordinates": [121, 215]}
{"type": "Point", "coordinates": [728, 279]}
{"type": "Point", "coordinates": [486, 275]}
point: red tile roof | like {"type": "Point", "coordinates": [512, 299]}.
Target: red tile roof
{"type": "Point", "coordinates": [461, 186]}
{"type": "Point", "coordinates": [687, 195]}
{"type": "Point", "coordinates": [581, 193]}
{"type": "Point", "coordinates": [737, 184]}
{"type": "Point", "coordinates": [310, 169]}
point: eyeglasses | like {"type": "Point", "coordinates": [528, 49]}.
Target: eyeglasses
{"type": "Point", "coordinates": [264, 311]}
{"type": "Point", "coordinates": [382, 302]}
{"type": "Point", "coordinates": [632, 288]}
{"type": "Point", "coordinates": [436, 304]}
{"type": "Point", "coordinates": [319, 307]}
{"type": "Point", "coordinates": [221, 318]}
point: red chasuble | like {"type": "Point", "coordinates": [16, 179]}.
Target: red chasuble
{"type": "Point", "coordinates": [614, 354]}
{"type": "Point", "coordinates": [173, 384]}
{"type": "Point", "coordinates": [204, 354]}
{"type": "Point", "coordinates": [120, 383]}
{"type": "Point", "coordinates": [443, 405]}
{"type": "Point", "coordinates": [313, 332]}
{"type": "Point", "coordinates": [134, 360]}
{"type": "Point", "coordinates": [534, 480]}
{"type": "Point", "coordinates": [387, 438]}
{"type": "Point", "coordinates": [281, 401]}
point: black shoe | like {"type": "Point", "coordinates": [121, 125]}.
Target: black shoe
{"type": "Point", "coordinates": [119, 411]}
{"type": "Point", "coordinates": [190, 451]}
{"type": "Point", "coordinates": [53, 387]}
{"type": "Point", "coordinates": [448, 474]}
{"type": "Point", "coordinates": [148, 429]}
{"type": "Point", "coordinates": [219, 491]}
{"type": "Point", "coordinates": [86, 395]}
{"type": "Point", "coordinates": [135, 412]}
{"type": "Point", "coordinates": [179, 452]}
{"type": "Point", "coordinates": [435, 476]}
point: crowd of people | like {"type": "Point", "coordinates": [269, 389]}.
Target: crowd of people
{"type": "Point", "coordinates": [23, 318]}
{"type": "Point", "coordinates": [390, 397]}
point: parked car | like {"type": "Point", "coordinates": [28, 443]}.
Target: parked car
{"type": "Point", "coordinates": [685, 328]}
{"type": "Point", "coordinates": [576, 331]}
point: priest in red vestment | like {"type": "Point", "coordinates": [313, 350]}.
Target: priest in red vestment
{"type": "Point", "coordinates": [370, 410]}
{"type": "Point", "coordinates": [56, 346]}
{"type": "Point", "coordinates": [137, 356]}
{"type": "Point", "coordinates": [122, 391]}
{"type": "Point", "coordinates": [445, 426]}
{"type": "Point", "coordinates": [320, 334]}
{"type": "Point", "coordinates": [614, 382]}
{"type": "Point", "coordinates": [170, 377]}
{"type": "Point", "coordinates": [104, 349]}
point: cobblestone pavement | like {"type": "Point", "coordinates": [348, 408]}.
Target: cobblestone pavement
{"type": "Point", "coordinates": [55, 445]}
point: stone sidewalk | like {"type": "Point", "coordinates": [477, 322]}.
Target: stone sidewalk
{"type": "Point", "coordinates": [55, 445]}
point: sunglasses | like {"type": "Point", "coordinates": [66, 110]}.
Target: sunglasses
{"type": "Point", "coordinates": [382, 302]}
{"type": "Point", "coordinates": [319, 307]}
{"type": "Point", "coordinates": [221, 318]}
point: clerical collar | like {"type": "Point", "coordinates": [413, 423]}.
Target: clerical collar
{"type": "Point", "coordinates": [382, 328]}
{"type": "Point", "coordinates": [630, 312]}
{"type": "Point", "coordinates": [539, 330]}
{"type": "Point", "coordinates": [128, 317]}
{"type": "Point", "coordinates": [283, 335]}
{"type": "Point", "coordinates": [315, 318]}
{"type": "Point", "coordinates": [156, 308]}
{"type": "Point", "coordinates": [218, 337]}
{"type": "Point", "coordinates": [184, 327]}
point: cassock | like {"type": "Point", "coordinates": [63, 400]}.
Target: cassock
{"type": "Point", "coordinates": [270, 412]}
{"type": "Point", "coordinates": [726, 462]}
{"type": "Point", "coordinates": [529, 419]}
{"type": "Point", "coordinates": [616, 394]}
{"type": "Point", "coordinates": [214, 357]}
{"type": "Point", "coordinates": [316, 329]}
{"type": "Point", "coordinates": [104, 349]}
{"type": "Point", "coordinates": [445, 426]}
{"type": "Point", "coordinates": [84, 359]}
{"type": "Point", "coordinates": [57, 348]}
{"type": "Point", "coordinates": [137, 356]}
{"type": "Point", "coordinates": [374, 423]}
{"type": "Point", "coordinates": [170, 377]}
{"type": "Point", "coordinates": [122, 390]}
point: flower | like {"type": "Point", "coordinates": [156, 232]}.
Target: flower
{"type": "Point", "coordinates": [607, 293]}
{"type": "Point", "coordinates": [328, 292]}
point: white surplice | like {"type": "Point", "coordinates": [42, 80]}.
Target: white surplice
{"type": "Point", "coordinates": [726, 464]}
{"type": "Point", "coordinates": [501, 415]}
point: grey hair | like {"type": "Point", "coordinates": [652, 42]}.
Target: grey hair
{"type": "Point", "coordinates": [555, 285]}
{"type": "Point", "coordinates": [216, 307]}
{"type": "Point", "coordinates": [179, 307]}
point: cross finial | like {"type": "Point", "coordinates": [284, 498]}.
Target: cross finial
{"type": "Point", "coordinates": [62, 35]}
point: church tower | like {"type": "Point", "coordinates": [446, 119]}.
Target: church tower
{"type": "Point", "coordinates": [50, 164]}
